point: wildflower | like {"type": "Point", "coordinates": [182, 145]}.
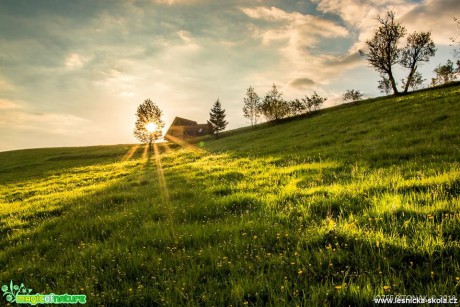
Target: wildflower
{"type": "Point", "coordinates": [300, 272]}
{"type": "Point", "coordinates": [338, 287]}
{"type": "Point", "coordinates": [386, 288]}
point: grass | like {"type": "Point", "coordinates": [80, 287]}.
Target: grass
{"type": "Point", "coordinates": [333, 209]}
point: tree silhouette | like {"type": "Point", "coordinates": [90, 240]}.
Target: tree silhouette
{"type": "Point", "coordinates": [148, 123]}
{"type": "Point", "coordinates": [352, 95]}
{"type": "Point", "coordinates": [383, 47]}
{"type": "Point", "coordinates": [217, 118]}
{"type": "Point", "coordinates": [445, 73]}
{"type": "Point", "coordinates": [419, 49]}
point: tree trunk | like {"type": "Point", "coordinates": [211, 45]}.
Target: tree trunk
{"type": "Point", "coordinates": [393, 83]}
{"type": "Point", "coordinates": [409, 78]}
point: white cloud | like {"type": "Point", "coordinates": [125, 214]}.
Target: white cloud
{"type": "Point", "coordinates": [74, 61]}
{"type": "Point", "coordinates": [434, 16]}
{"type": "Point", "coordinates": [296, 35]}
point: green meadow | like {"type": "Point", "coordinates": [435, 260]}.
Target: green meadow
{"type": "Point", "coordinates": [333, 208]}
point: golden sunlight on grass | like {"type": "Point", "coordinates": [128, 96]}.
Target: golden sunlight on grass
{"type": "Point", "coordinates": [161, 177]}
{"type": "Point", "coordinates": [145, 152]}
{"type": "Point", "coordinates": [184, 144]}
{"type": "Point", "coordinates": [130, 153]}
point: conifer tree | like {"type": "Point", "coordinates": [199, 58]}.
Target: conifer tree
{"type": "Point", "coordinates": [217, 118]}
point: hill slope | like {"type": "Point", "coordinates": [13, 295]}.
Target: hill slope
{"type": "Point", "coordinates": [349, 203]}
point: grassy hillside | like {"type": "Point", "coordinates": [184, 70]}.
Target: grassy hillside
{"type": "Point", "coordinates": [349, 203]}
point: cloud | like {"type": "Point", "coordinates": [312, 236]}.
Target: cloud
{"type": "Point", "coordinates": [297, 38]}
{"type": "Point", "coordinates": [434, 16]}
{"type": "Point", "coordinates": [74, 61]}
{"type": "Point", "coordinates": [360, 15]}
{"type": "Point", "coordinates": [173, 2]}
{"type": "Point", "coordinates": [302, 83]}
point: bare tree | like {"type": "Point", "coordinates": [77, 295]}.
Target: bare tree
{"type": "Point", "coordinates": [419, 49]}
{"type": "Point", "coordinates": [383, 47]}
{"type": "Point", "coordinates": [251, 108]}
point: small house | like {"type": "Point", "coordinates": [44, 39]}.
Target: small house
{"type": "Point", "coordinates": [184, 128]}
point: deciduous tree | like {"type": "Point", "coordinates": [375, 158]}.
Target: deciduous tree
{"type": "Point", "coordinates": [445, 73]}
{"type": "Point", "coordinates": [273, 106]}
{"type": "Point", "coordinates": [352, 95]}
{"type": "Point", "coordinates": [384, 52]}
{"type": "Point", "coordinates": [420, 47]}
{"type": "Point", "coordinates": [314, 102]}
{"type": "Point", "coordinates": [148, 122]}
{"type": "Point", "coordinates": [251, 108]}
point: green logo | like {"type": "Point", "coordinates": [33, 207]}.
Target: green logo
{"type": "Point", "coordinates": [22, 295]}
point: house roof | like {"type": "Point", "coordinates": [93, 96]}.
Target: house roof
{"type": "Point", "coordinates": [188, 128]}
{"type": "Point", "coordinates": [179, 121]}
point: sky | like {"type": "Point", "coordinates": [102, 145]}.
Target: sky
{"type": "Point", "coordinates": [72, 72]}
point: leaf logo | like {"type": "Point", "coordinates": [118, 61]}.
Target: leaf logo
{"type": "Point", "coordinates": [13, 290]}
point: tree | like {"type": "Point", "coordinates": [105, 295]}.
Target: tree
{"type": "Point", "coordinates": [352, 95]}
{"type": "Point", "coordinates": [384, 85]}
{"type": "Point", "coordinates": [314, 102]}
{"type": "Point", "coordinates": [416, 81]}
{"type": "Point", "coordinates": [456, 38]}
{"type": "Point", "coordinates": [445, 73]}
{"type": "Point", "coordinates": [296, 107]}
{"type": "Point", "coordinates": [419, 49]}
{"type": "Point", "coordinates": [251, 108]}
{"type": "Point", "coordinates": [273, 106]}
{"type": "Point", "coordinates": [383, 47]}
{"type": "Point", "coordinates": [148, 123]}
{"type": "Point", "coordinates": [217, 118]}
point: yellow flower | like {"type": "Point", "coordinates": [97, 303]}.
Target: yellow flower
{"type": "Point", "coordinates": [300, 272]}
{"type": "Point", "coordinates": [386, 288]}
{"type": "Point", "coordinates": [338, 287]}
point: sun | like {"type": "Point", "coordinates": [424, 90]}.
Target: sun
{"type": "Point", "coordinates": [150, 127]}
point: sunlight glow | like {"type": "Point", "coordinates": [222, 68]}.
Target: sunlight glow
{"type": "Point", "coordinates": [150, 127]}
